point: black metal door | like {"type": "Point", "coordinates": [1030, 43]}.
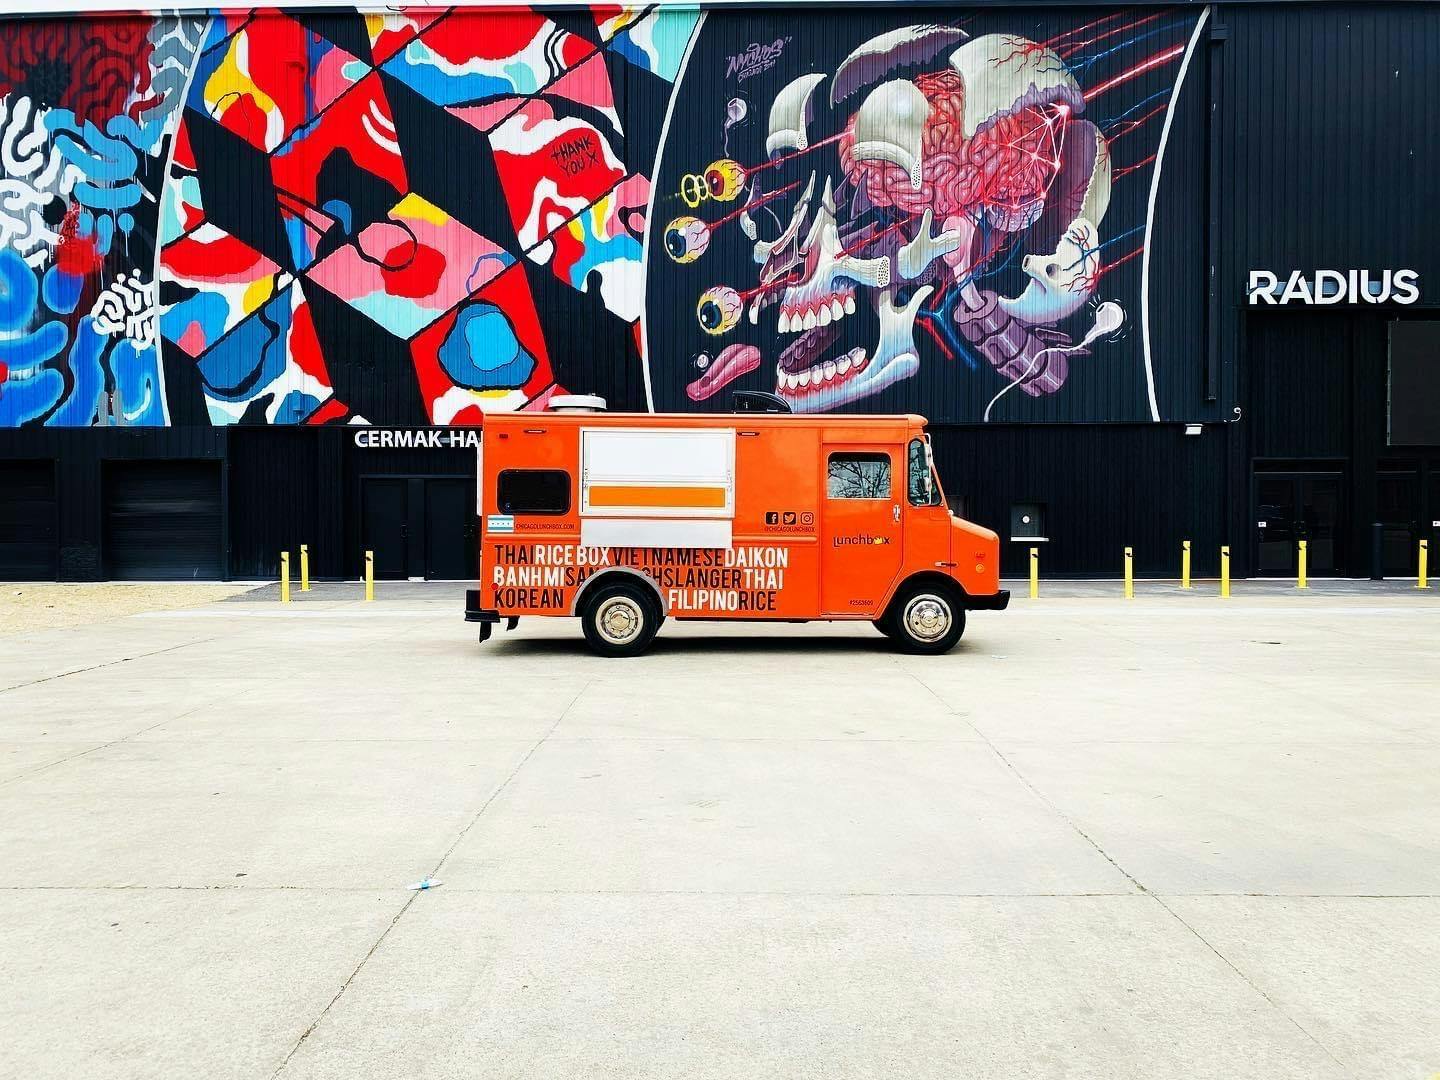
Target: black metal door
{"type": "Point", "coordinates": [28, 549]}
{"type": "Point", "coordinates": [1291, 507]}
{"type": "Point", "coordinates": [162, 520]}
{"type": "Point", "coordinates": [385, 524]}
{"type": "Point", "coordinates": [1397, 509]}
{"type": "Point", "coordinates": [1432, 511]}
{"type": "Point", "coordinates": [415, 528]}
{"type": "Point", "coordinates": [1274, 526]}
{"type": "Point", "coordinates": [450, 529]}
{"type": "Point", "coordinates": [1320, 524]}
{"type": "Point", "coordinates": [420, 527]}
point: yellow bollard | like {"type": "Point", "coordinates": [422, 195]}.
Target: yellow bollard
{"type": "Point", "coordinates": [1422, 580]}
{"type": "Point", "coordinates": [304, 567]}
{"type": "Point", "coordinates": [1185, 565]}
{"type": "Point", "coordinates": [369, 575]}
{"type": "Point", "coordinates": [1034, 573]}
{"type": "Point", "coordinates": [1301, 582]}
{"type": "Point", "coordinates": [285, 577]}
{"type": "Point", "coordinates": [1224, 571]}
{"type": "Point", "coordinates": [1129, 573]}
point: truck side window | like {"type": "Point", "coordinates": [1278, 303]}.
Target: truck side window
{"type": "Point", "coordinates": [858, 476]}
{"type": "Point", "coordinates": [533, 491]}
{"type": "Point", "coordinates": [919, 483]}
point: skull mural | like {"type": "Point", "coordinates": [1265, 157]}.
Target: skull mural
{"type": "Point", "coordinates": [939, 173]}
{"type": "Point", "coordinates": [926, 221]}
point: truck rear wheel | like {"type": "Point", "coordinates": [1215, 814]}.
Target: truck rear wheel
{"type": "Point", "coordinates": [926, 619]}
{"type": "Point", "coordinates": [620, 620]}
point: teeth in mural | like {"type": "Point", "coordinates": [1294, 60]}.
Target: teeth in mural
{"type": "Point", "coordinates": [844, 365]}
{"type": "Point", "coordinates": [825, 316]}
{"type": "Point", "coordinates": [828, 369]}
{"type": "Point", "coordinates": [784, 326]}
{"type": "Point", "coordinates": [811, 321]}
{"type": "Point", "coordinates": [836, 311]}
{"type": "Point", "coordinates": [755, 313]}
{"type": "Point", "coordinates": [803, 379]}
{"type": "Point", "coordinates": [850, 305]}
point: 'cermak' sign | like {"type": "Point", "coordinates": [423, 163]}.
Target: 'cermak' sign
{"type": "Point", "coordinates": [1334, 287]}
{"type": "Point", "coordinates": [421, 439]}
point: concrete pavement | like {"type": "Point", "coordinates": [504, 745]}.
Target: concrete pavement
{"type": "Point", "coordinates": [1169, 837]}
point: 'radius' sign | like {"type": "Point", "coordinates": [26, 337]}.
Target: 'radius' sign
{"type": "Point", "coordinates": [1325, 287]}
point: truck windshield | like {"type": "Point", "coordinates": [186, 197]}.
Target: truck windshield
{"type": "Point", "coordinates": [923, 490]}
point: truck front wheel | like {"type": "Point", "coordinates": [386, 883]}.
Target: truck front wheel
{"type": "Point", "coordinates": [926, 619]}
{"type": "Point", "coordinates": [620, 620]}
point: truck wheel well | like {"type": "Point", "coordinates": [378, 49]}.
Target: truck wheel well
{"type": "Point", "coordinates": [619, 573]}
{"type": "Point", "coordinates": [929, 579]}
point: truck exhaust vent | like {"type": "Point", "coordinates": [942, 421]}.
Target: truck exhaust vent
{"type": "Point", "coordinates": [576, 403]}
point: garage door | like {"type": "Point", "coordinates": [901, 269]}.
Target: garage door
{"type": "Point", "coordinates": [162, 520]}
{"type": "Point", "coordinates": [27, 521]}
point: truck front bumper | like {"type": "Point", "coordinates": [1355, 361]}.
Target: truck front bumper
{"type": "Point", "coordinates": [997, 602]}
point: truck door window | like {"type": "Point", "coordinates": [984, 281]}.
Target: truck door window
{"type": "Point", "coordinates": [920, 482]}
{"type": "Point", "coordinates": [533, 491]}
{"type": "Point", "coordinates": [858, 476]}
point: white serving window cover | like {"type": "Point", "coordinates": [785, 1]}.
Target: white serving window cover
{"type": "Point", "coordinates": [651, 458]}
{"type": "Point", "coordinates": [663, 457]}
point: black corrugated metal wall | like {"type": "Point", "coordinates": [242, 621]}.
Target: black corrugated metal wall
{"type": "Point", "coordinates": [1302, 139]}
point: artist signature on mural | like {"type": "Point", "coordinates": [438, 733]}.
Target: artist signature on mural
{"type": "Point", "coordinates": [757, 58]}
{"type": "Point", "coordinates": [575, 155]}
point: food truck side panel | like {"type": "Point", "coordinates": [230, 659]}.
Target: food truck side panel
{"type": "Point", "coordinates": [535, 564]}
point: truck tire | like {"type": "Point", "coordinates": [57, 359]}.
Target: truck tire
{"type": "Point", "coordinates": [925, 619]}
{"type": "Point", "coordinates": [620, 620]}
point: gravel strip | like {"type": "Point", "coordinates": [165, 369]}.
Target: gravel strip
{"type": "Point", "coordinates": [29, 606]}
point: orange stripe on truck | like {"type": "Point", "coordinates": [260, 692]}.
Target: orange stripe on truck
{"type": "Point", "coordinates": [649, 495]}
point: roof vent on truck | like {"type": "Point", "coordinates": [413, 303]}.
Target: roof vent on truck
{"type": "Point", "coordinates": [576, 403]}
{"type": "Point", "coordinates": [746, 401]}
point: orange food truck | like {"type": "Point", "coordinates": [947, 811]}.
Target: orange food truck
{"type": "Point", "coordinates": [625, 520]}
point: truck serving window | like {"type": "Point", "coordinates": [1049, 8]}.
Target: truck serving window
{"type": "Point", "coordinates": [919, 480]}
{"type": "Point", "coordinates": [858, 476]}
{"type": "Point", "coordinates": [533, 491]}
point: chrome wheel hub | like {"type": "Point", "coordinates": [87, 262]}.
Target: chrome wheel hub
{"type": "Point", "coordinates": [927, 618]}
{"type": "Point", "coordinates": [619, 620]}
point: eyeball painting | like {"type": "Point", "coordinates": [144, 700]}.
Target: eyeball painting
{"type": "Point", "coordinates": [719, 310]}
{"type": "Point", "coordinates": [686, 239]}
{"type": "Point", "coordinates": [724, 179]}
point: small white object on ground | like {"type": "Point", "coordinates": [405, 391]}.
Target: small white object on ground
{"type": "Point", "coordinates": [426, 883]}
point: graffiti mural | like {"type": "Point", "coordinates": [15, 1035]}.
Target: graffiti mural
{"type": "Point", "coordinates": [85, 108]}
{"type": "Point", "coordinates": [421, 215]}
{"type": "Point", "coordinates": [407, 215]}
